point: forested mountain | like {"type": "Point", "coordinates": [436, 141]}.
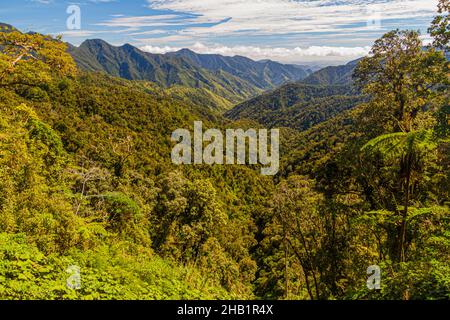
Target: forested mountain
{"type": "Point", "coordinates": [232, 78]}
{"type": "Point", "coordinates": [297, 105]}
{"type": "Point", "coordinates": [262, 74]}
{"type": "Point", "coordinates": [87, 181]}
{"type": "Point", "coordinates": [131, 63]}
{"type": "Point", "coordinates": [96, 181]}
{"type": "Point", "coordinates": [333, 75]}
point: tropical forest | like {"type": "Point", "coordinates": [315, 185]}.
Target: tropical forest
{"type": "Point", "coordinates": [88, 187]}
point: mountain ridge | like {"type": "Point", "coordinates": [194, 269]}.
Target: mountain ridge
{"type": "Point", "coordinates": [263, 74]}
{"type": "Point", "coordinates": [298, 105]}
{"type": "Point", "coordinates": [333, 75]}
{"type": "Point", "coordinates": [234, 78]}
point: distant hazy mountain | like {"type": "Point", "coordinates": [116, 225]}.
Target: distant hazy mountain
{"type": "Point", "coordinates": [337, 75]}
{"type": "Point", "coordinates": [234, 78]}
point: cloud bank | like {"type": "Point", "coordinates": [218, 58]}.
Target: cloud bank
{"type": "Point", "coordinates": [269, 17]}
{"type": "Point", "coordinates": [293, 55]}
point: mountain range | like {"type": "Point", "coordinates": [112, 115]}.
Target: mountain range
{"type": "Point", "coordinates": [303, 104]}
{"type": "Point", "coordinates": [268, 92]}
{"type": "Point", "coordinates": [271, 93]}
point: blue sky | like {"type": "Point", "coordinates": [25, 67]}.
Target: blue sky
{"type": "Point", "coordinates": [294, 31]}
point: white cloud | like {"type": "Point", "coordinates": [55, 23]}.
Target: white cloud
{"type": "Point", "coordinates": [88, 33]}
{"type": "Point", "coordinates": [43, 1]}
{"type": "Point", "coordinates": [154, 21]}
{"type": "Point", "coordinates": [159, 50]}
{"type": "Point", "coordinates": [292, 55]}
{"type": "Point", "coordinates": [78, 33]}
{"type": "Point", "coordinates": [271, 17]}
{"type": "Point", "coordinates": [150, 32]}
{"type": "Point", "coordinates": [283, 30]}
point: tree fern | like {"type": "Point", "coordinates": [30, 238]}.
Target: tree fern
{"type": "Point", "coordinates": [394, 145]}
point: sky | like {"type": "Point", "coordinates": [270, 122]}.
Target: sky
{"type": "Point", "coordinates": [290, 31]}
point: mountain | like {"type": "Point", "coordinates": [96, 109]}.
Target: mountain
{"type": "Point", "coordinates": [333, 75]}
{"type": "Point", "coordinates": [338, 75]}
{"type": "Point", "coordinates": [233, 78]}
{"type": "Point", "coordinates": [297, 105]}
{"type": "Point", "coordinates": [133, 64]}
{"type": "Point", "coordinates": [262, 74]}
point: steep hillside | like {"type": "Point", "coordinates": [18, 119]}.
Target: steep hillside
{"type": "Point", "coordinates": [133, 64]}
{"type": "Point", "coordinates": [297, 105]}
{"type": "Point", "coordinates": [114, 135]}
{"type": "Point", "coordinates": [333, 75]}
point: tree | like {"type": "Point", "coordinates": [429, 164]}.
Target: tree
{"type": "Point", "coordinates": [32, 59]}
{"type": "Point", "coordinates": [404, 83]}
{"type": "Point", "coordinates": [401, 79]}
{"type": "Point", "coordinates": [440, 26]}
{"type": "Point", "coordinates": [411, 151]}
{"type": "Point", "coordinates": [298, 231]}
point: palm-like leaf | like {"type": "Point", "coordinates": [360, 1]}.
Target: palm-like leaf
{"type": "Point", "coordinates": [393, 145]}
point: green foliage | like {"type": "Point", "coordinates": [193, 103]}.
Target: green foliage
{"type": "Point", "coordinates": [296, 228]}
{"type": "Point", "coordinates": [32, 59]}
{"type": "Point", "coordinates": [105, 273]}
{"type": "Point", "coordinates": [440, 26]}
{"type": "Point", "coordinates": [382, 169]}
{"type": "Point", "coordinates": [398, 144]}
{"type": "Point", "coordinates": [402, 80]}
{"type": "Point", "coordinates": [297, 105]}
{"type": "Point", "coordinates": [86, 178]}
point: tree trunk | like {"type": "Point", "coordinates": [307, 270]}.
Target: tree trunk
{"type": "Point", "coordinates": [401, 253]}
{"type": "Point", "coordinates": [286, 269]}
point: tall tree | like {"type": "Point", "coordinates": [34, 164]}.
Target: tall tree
{"type": "Point", "coordinates": [403, 82]}
{"type": "Point", "coordinates": [299, 229]}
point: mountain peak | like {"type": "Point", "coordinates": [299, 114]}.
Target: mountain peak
{"type": "Point", "coordinates": [187, 53]}
{"type": "Point", "coordinates": [186, 50]}
{"type": "Point", "coordinates": [128, 46]}
{"type": "Point", "coordinates": [95, 43]}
